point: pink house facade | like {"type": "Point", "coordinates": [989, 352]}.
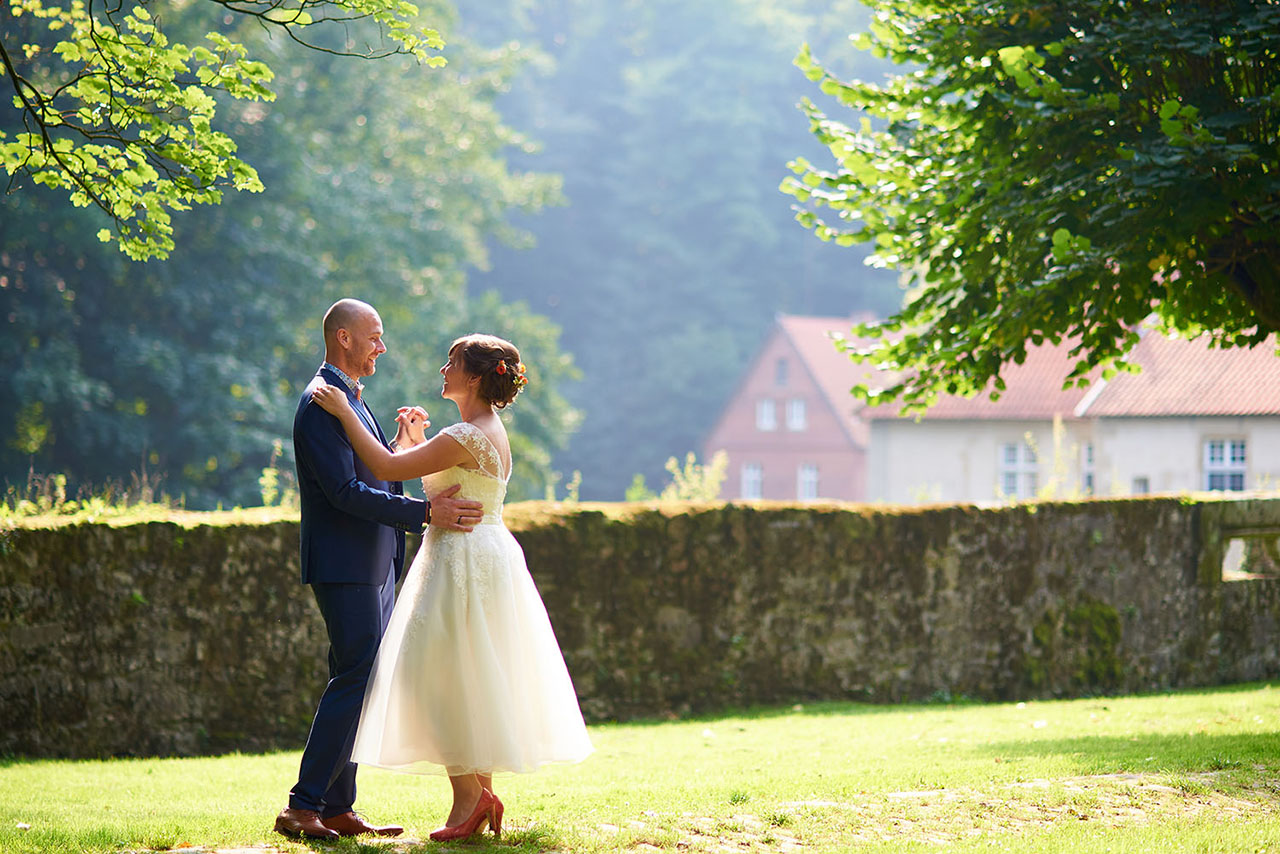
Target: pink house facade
{"type": "Point", "coordinates": [792, 431]}
{"type": "Point", "coordinates": [1194, 419]}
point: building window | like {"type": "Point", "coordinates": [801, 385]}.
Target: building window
{"type": "Point", "coordinates": [1224, 465]}
{"type": "Point", "coordinates": [780, 372]}
{"type": "Point", "coordinates": [766, 415]}
{"type": "Point", "coordinates": [1086, 470]}
{"type": "Point", "coordinates": [1141, 485]}
{"type": "Point", "coordinates": [1018, 475]}
{"type": "Point", "coordinates": [752, 481]}
{"type": "Point", "coordinates": [806, 482]}
{"type": "Point", "coordinates": [796, 420]}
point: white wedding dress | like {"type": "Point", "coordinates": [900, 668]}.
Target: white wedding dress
{"type": "Point", "coordinates": [469, 677]}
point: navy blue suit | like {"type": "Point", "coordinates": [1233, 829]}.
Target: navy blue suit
{"type": "Point", "coordinates": [353, 528]}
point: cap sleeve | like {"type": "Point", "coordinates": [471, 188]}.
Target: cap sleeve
{"type": "Point", "coordinates": [477, 444]}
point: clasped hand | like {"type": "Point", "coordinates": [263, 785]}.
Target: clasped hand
{"type": "Point", "coordinates": [413, 425]}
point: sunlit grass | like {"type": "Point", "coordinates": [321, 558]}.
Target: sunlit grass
{"type": "Point", "coordinates": [1193, 771]}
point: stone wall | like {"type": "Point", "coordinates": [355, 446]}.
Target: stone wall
{"type": "Point", "coordinates": [165, 638]}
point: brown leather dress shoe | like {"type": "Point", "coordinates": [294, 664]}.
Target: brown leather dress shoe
{"type": "Point", "coordinates": [307, 823]}
{"type": "Point", "coordinates": [350, 824]}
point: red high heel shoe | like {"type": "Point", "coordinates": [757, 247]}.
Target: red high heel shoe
{"type": "Point", "coordinates": [481, 816]}
{"type": "Point", "coordinates": [495, 818]}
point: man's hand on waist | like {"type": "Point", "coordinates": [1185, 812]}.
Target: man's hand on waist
{"type": "Point", "coordinates": [454, 514]}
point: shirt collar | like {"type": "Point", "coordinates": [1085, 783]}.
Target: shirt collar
{"type": "Point", "coordinates": [352, 385]}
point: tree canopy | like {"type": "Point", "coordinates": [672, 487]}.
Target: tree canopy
{"type": "Point", "coordinates": [380, 182]}
{"type": "Point", "coordinates": [1055, 170]}
{"type": "Point", "coordinates": [671, 123]}
{"type": "Point", "coordinates": [119, 115]}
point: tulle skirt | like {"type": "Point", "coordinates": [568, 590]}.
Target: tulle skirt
{"type": "Point", "coordinates": [469, 677]}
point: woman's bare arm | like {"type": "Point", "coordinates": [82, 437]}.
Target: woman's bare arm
{"type": "Point", "coordinates": [436, 454]}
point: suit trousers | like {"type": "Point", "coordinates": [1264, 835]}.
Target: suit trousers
{"type": "Point", "coordinates": [355, 616]}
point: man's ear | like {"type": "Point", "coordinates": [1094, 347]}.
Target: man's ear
{"type": "Point", "coordinates": [344, 338]}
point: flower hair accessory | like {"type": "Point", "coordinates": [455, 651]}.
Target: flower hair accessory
{"type": "Point", "coordinates": [520, 380]}
{"type": "Point", "coordinates": [502, 367]}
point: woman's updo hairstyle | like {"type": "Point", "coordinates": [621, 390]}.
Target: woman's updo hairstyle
{"type": "Point", "coordinates": [495, 361]}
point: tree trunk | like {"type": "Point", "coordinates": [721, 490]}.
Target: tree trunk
{"type": "Point", "coordinates": [1255, 278]}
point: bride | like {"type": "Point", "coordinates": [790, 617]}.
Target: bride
{"type": "Point", "coordinates": [469, 679]}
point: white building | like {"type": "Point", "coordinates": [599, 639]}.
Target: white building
{"type": "Point", "coordinates": [1194, 419]}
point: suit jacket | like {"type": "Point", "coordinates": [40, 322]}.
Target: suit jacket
{"type": "Point", "coordinates": [353, 524]}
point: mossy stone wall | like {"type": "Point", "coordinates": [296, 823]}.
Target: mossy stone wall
{"type": "Point", "coordinates": [155, 639]}
{"type": "Point", "coordinates": [161, 638]}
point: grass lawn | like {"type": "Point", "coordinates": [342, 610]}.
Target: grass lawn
{"type": "Point", "coordinates": [1188, 772]}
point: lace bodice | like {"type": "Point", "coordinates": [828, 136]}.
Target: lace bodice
{"type": "Point", "coordinates": [486, 484]}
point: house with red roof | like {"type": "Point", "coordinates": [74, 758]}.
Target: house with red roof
{"type": "Point", "coordinates": [1030, 442]}
{"type": "Point", "coordinates": [1195, 418]}
{"type": "Point", "coordinates": [791, 429]}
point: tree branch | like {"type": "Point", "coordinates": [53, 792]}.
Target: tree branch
{"type": "Point", "coordinates": [29, 110]}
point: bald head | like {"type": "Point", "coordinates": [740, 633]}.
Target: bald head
{"type": "Point", "coordinates": [343, 314]}
{"type": "Point", "coordinates": [353, 337]}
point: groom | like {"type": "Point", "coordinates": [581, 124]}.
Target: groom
{"type": "Point", "coordinates": [353, 531]}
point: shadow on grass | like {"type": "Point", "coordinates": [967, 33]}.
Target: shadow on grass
{"type": "Point", "coordinates": [532, 839]}
{"type": "Point", "coordinates": [1112, 754]}
{"type": "Point", "coordinates": [940, 700]}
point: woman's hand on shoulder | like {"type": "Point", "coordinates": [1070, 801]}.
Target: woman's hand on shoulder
{"type": "Point", "coordinates": [331, 399]}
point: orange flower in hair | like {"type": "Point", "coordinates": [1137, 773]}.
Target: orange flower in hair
{"type": "Point", "coordinates": [502, 367]}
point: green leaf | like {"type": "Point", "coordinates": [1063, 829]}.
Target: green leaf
{"type": "Point", "coordinates": [1003, 136]}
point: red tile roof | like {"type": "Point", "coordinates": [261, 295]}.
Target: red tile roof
{"type": "Point", "coordinates": [1178, 377]}
{"type": "Point", "coordinates": [1187, 377]}
{"type": "Point", "coordinates": [1033, 392]}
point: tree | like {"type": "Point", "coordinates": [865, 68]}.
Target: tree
{"type": "Point", "coordinates": [118, 116]}
{"type": "Point", "coordinates": [1053, 170]}
{"type": "Point", "coordinates": [381, 183]}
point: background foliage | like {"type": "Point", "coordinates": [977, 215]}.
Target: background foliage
{"type": "Point", "coordinates": [664, 259]}
{"type": "Point", "coordinates": [116, 108]}
{"type": "Point", "coordinates": [1051, 170]}
{"type": "Point", "coordinates": [671, 123]}
{"type": "Point", "coordinates": [383, 180]}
